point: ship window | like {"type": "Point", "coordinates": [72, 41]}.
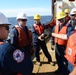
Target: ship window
{"type": "Point", "coordinates": [71, 0]}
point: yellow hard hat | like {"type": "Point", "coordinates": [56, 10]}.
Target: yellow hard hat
{"type": "Point", "coordinates": [66, 10]}
{"type": "Point", "coordinates": [37, 16]}
{"type": "Point", "coordinates": [60, 15]}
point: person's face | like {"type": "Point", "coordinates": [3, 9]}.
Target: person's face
{"type": "Point", "coordinates": [37, 21]}
{"type": "Point", "coordinates": [67, 14]}
{"type": "Point", "coordinates": [22, 22]}
{"type": "Point", "coordinates": [4, 30]}
{"type": "Point", "coordinates": [73, 17]}
{"type": "Point", "coordinates": [61, 21]}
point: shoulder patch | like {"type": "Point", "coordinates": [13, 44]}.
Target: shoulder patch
{"type": "Point", "coordinates": [18, 56]}
{"type": "Point", "coordinates": [12, 35]}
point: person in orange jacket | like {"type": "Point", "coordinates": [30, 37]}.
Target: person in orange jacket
{"type": "Point", "coordinates": [39, 39]}
{"type": "Point", "coordinates": [60, 34]}
{"type": "Point", "coordinates": [70, 53]}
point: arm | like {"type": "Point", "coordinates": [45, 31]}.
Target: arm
{"type": "Point", "coordinates": [52, 38]}
{"type": "Point", "coordinates": [60, 36]}
{"type": "Point", "coordinates": [70, 30]}
{"type": "Point", "coordinates": [73, 72]}
{"type": "Point", "coordinates": [14, 37]}
{"type": "Point", "coordinates": [34, 33]}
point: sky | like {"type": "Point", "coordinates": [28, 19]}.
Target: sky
{"type": "Point", "coordinates": [31, 7]}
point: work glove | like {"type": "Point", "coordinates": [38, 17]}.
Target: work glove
{"type": "Point", "coordinates": [41, 37]}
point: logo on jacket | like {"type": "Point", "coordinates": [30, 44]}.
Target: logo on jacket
{"type": "Point", "coordinates": [69, 51]}
{"type": "Point", "coordinates": [18, 55]}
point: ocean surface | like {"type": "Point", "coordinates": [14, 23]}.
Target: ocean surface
{"type": "Point", "coordinates": [30, 21]}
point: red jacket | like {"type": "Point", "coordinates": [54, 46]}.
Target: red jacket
{"type": "Point", "coordinates": [39, 28]}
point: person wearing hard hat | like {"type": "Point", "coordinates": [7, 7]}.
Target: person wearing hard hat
{"type": "Point", "coordinates": [39, 39]}
{"type": "Point", "coordinates": [70, 53]}
{"type": "Point", "coordinates": [13, 61]}
{"type": "Point", "coordinates": [21, 37]}
{"type": "Point", "coordinates": [61, 34]}
{"type": "Point", "coordinates": [67, 18]}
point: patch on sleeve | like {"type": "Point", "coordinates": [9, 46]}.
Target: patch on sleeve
{"type": "Point", "coordinates": [69, 51]}
{"type": "Point", "coordinates": [12, 35]}
{"type": "Point", "coordinates": [18, 56]}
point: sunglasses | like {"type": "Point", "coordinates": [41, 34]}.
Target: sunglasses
{"type": "Point", "coordinates": [23, 20]}
{"type": "Point", "coordinates": [61, 19]}
{"type": "Point", "coordinates": [73, 14]}
{"type": "Point", "coordinates": [6, 27]}
{"type": "Point", "coordinates": [66, 13]}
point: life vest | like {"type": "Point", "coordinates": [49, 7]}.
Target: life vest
{"type": "Point", "coordinates": [14, 60]}
{"type": "Point", "coordinates": [63, 30]}
{"type": "Point", "coordinates": [71, 49]}
{"type": "Point", "coordinates": [39, 28]}
{"type": "Point", "coordinates": [24, 39]}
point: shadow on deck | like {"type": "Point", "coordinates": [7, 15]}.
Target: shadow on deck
{"type": "Point", "coordinates": [45, 68]}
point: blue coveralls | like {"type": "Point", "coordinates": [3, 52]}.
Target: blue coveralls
{"type": "Point", "coordinates": [37, 44]}
{"type": "Point", "coordinates": [60, 52]}
{"type": "Point", "coordinates": [14, 41]}
{"type": "Point", "coordinates": [8, 63]}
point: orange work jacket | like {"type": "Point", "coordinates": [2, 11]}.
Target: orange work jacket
{"type": "Point", "coordinates": [23, 39]}
{"type": "Point", "coordinates": [63, 30]}
{"type": "Point", "coordinates": [71, 49]}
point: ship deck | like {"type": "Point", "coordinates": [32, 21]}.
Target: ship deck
{"type": "Point", "coordinates": [45, 68]}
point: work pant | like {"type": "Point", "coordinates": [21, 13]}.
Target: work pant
{"type": "Point", "coordinates": [42, 45]}
{"type": "Point", "coordinates": [61, 61]}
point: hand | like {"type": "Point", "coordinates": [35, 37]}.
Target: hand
{"type": "Point", "coordinates": [41, 37]}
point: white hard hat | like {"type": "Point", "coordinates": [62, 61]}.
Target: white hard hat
{"type": "Point", "coordinates": [3, 19]}
{"type": "Point", "coordinates": [21, 15]}
{"type": "Point", "coordinates": [73, 11]}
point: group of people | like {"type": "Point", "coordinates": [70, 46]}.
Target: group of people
{"type": "Point", "coordinates": [16, 52]}
{"type": "Point", "coordinates": [63, 37]}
